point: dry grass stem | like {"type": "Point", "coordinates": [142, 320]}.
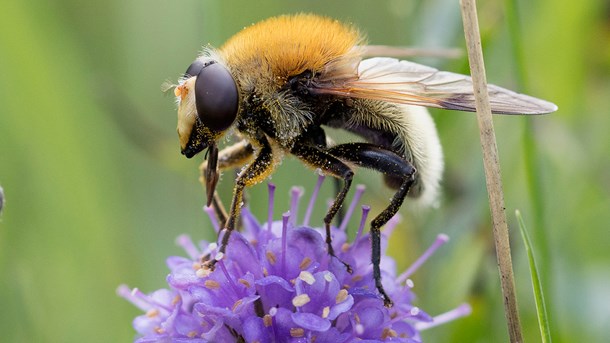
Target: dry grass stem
{"type": "Point", "coordinates": [492, 168]}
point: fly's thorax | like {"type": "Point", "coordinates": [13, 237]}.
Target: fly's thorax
{"type": "Point", "coordinates": [266, 57]}
{"type": "Point", "coordinates": [268, 117]}
{"type": "Point", "coordinates": [290, 44]}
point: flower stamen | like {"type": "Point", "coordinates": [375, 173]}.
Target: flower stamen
{"type": "Point", "coordinates": [211, 284]}
{"type": "Point", "coordinates": [236, 304]}
{"type": "Point", "coordinates": [387, 333]}
{"type": "Point", "coordinates": [203, 272]}
{"type": "Point", "coordinates": [307, 277]}
{"type": "Point", "coordinates": [267, 320]}
{"type": "Point", "coordinates": [305, 263]}
{"type": "Point", "coordinates": [244, 282]}
{"type": "Point", "coordinates": [153, 312]}
{"type": "Point", "coordinates": [297, 332]}
{"type": "Point", "coordinates": [341, 296]}
{"type": "Point", "coordinates": [271, 257]}
{"type": "Point", "coordinates": [301, 300]}
{"type": "Point", "coordinates": [325, 312]}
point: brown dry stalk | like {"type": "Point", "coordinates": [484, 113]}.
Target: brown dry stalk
{"type": "Point", "coordinates": [492, 168]}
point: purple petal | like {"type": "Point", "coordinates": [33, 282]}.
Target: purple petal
{"type": "Point", "coordinates": [333, 335]}
{"type": "Point", "coordinates": [275, 291]}
{"type": "Point", "coordinates": [155, 339]}
{"type": "Point", "coordinates": [255, 330]}
{"type": "Point", "coordinates": [241, 253]}
{"type": "Point", "coordinates": [310, 321]}
{"type": "Point", "coordinates": [341, 307]}
{"type": "Point", "coordinates": [250, 224]}
{"type": "Point", "coordinates": [176, 262]}
{"type": "Point", "coordinates": [405, 329]}
{"type": "Point", "coordinates": [262, 271]}
{"type": "Point", "coordinates": [144, 325]}
{"type": "Point", "coordinates": [308, 241]}
{"type": "Point", "coordinates": [245, 305]}
{"type": "Point", "coordinates": [275, 280]}
{"type": "Point", "coordinates": [186, 325]}
{"type": "Point", "coordinates": [183, 278]}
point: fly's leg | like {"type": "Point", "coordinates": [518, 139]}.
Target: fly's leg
{"type": "Point", "coordinates": [341, 212]}
{"type": "Point", "coordinates": [236, 155]}
{"type": "Point", "coordinates": [388, 163]}
{"type": "Point", "coordinates": [254, 173]}
{"type": "Point", "coordinates": [330, 165]}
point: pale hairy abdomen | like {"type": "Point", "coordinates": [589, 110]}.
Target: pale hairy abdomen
{"type": "Point", "coordinates": [408, 131]}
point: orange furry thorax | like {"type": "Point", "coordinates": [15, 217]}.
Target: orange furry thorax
{"type": "Point", "coordinates": [289, 45]}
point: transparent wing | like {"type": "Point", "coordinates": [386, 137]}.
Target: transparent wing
{"type": "Point", "coordinates": [405, 82]}
{"type": "Point", "coordinates": [409, 52]}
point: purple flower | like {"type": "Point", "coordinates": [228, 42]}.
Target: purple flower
{"type": "Point", "coordinates": [277, 283]}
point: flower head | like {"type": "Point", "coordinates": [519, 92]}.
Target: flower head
{"type": "Point", "coordinates": [277, 283]}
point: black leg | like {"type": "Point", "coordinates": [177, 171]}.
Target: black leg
{"type": "Point", "coordinates": [388, 163]}
{"type": "Point", "coordinates": [254, 173]}
{"type": "Point", "coordinates": [330, 165]}
{"type": "Point", "coordinates": [341, 213]}
{"type": "Point", "coordinates": [236, 155]}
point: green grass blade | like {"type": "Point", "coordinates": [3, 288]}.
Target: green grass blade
{"type": "Point", "coordinates": [543, 322]}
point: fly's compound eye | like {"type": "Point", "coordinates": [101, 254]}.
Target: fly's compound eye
{"type": "Point", "coordinates": [194, 68]}
{"type": "Point", "coordinates": [216, 96]}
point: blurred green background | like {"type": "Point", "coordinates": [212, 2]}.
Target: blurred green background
{"type": "Point", "coordinates": [96, 189]}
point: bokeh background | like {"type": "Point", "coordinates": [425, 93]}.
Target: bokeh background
{"type": "Point", "coordinates": [96, 190]}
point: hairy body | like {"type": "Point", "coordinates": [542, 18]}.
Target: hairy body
{"type": "Point", "coordinates": [279, 83]}
{"type": "Point", "coordinates": [291, 52]}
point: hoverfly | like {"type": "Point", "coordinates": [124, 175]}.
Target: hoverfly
{"type": "Point", "coordinates": [278, 83]}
